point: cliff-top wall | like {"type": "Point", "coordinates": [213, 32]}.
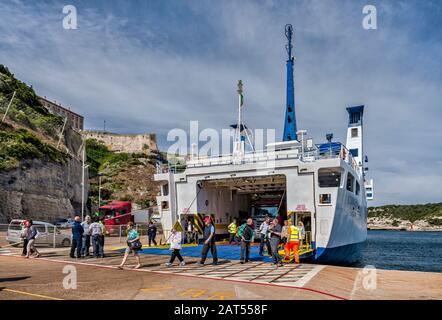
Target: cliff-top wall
{"type": "Point", "coordinates": [127, 143]}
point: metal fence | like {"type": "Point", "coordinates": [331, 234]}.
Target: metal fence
{"type": "Point", "coordinates": [50, 236]}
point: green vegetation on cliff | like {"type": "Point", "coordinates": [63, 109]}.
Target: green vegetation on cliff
{"type": "Point", "coordinates": [431, 212]}
{"type": "Point", "coordinates": [125, 176]}
{"type": "Point", "coordinates": [25, 108]}
{"type": "Point", "coordinates": [28, 127]}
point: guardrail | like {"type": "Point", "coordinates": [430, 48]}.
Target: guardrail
{"type": "Point", "coordinates": [294, 152]}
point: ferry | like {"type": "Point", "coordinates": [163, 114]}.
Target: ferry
{"type": "Point", "coordinates": [323, 185]}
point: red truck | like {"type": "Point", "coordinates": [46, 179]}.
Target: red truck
{"type": "Point", "coordinates": [116, 213]}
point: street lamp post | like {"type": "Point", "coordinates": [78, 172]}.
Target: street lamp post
{"type": "Point", "coordinates": [99, 190]}
{"type": "Point", "coordinates": [84, 167]}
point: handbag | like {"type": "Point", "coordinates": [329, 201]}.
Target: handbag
{"type": "Point", "coordinates": [136, 245]}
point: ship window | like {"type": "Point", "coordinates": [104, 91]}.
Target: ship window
{"type": "Point", "coordinates": [329, 177]}
{"type": "Point", "coordinates": [325, 198]}
{"type": "Point", "coordinates": [350, 182]}
{"type": "Point", "coordinates": [358, 188]}
{"type": "Point", "coordinates": [354, 132]}
{"type": "Point", "coordinates": [355, 117]}
{"type": "Point", "coordinates": [165, 190]}
{"type": "Point", "coordinates": [354, 152]}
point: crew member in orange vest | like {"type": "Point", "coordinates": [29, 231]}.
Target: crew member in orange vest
{"type": "Point", "coordinates": [292, 242]}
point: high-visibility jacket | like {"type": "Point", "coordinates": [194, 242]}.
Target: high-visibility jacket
{"type": "Point", "coordinates": [232, 228]}
{"type": "Point", "coordinates": [293, 234]}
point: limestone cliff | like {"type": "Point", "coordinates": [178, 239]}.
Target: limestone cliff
{"type": "Point", "coordinates": [40, 174]}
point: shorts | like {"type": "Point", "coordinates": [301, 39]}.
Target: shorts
{"type": "Point", "coordinates": [130, 250]}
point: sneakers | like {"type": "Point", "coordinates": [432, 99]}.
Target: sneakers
{"type": "Point", "coordinates": [182, 264]}
{"type": "Point", "coordinates": [215, 263]}
{"type": "Point", "coordinates": [200, 264]}
{"type": "Point", "coordinates": [242, 262]}
{"type": "Point", "coordinates": [168, 264]}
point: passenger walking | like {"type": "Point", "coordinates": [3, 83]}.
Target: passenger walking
{"type": "Point", "coordinates": [86, 241]}
{"type": "Point", "coordinates": [209, 242]}
{"type": "Point", "coordinates": [31, 235]}
{"type": "Point", "coordinates": [133, 245]}
{"type": "Point", "coordinates": [263, 228]}
{"type": "Point", "coordinates": [191, 236]}
{"type": "Point", "coordinates": [245, 232]}
{"type": "Point", "coordinates": [77, 237]}
{"type": "Point", "coordinates": [232, 228]}
{"type": "Point", "coordinates": [23, 236]}
{"type": "Point", "coordinates": [103, 233]}
{"type": "Point", "coordinates": [152, 232]}
{"type": "Point", "coordinates": [292, 242]}
{"type": "Point", "coordinates": [301, 231]}
{"type": "Point", "coordinates": [275, 239]}
{"type": "Point", "coordinates": [175, 245]}
{"type": "Point", "coordinates": [96, 232]}
{"type": "Point", "coordinates": [285, 232]}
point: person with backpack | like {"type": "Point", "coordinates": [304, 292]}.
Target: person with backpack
{"type": "Point", "coordinates": [232, 229]}
{"type": "Point", "coordinates": [245, 233]}
{"type": "Point", "coordinates": [31, 235]}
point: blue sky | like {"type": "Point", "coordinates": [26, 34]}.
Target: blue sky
{"type": "Point", "coordinates": [151, 66]}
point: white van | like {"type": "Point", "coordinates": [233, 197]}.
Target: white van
{"type": "Point", "coordinates": [45, 234]}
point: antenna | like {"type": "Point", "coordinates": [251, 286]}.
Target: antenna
{"type": "Point", "coordinates": [290, 115]}
{"type": "Point", "coordinates": [289, 34]}
{"type": "Point", "coordinates": [240, 128]}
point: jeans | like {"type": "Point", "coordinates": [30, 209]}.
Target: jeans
{"type": "Point", "coordinates": [261, 245]}
{"type": "Point", "coordinates": [274, 242]}
{"type": "Point", "coordinates": [232, 238]}
{"type": "Point", "coordinates": [151, 237]}
{"type": "Point", "coordinates": [97, 245]}
{"type": "Point", "coordinates": [245, 248]}
{"type": "Point", "coordinates": [86, 243]}
{"type": "Point", "coordinates": [176, 253]}
{"type": "Point", "coordinates": [76, 244]}
{"type": "Point", "coordinates": [25, 246]}
{"type": "Point", "coordinates": [211, 245]}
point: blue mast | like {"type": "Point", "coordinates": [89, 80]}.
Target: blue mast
{"type": "Point", "coordinates": [290, 116]}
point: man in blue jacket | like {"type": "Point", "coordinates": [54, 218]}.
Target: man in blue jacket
{"type": "Point", "coordinates": [77, 234]}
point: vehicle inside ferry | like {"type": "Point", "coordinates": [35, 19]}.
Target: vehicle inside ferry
{"type": "Point", "coordinates": [240, 198]}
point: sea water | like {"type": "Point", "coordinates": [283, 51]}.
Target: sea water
{"type": "Point", "coordinates": [403, 250]}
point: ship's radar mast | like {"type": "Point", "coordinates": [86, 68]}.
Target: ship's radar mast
{"type": "Point", "coordinates": [290, 115]}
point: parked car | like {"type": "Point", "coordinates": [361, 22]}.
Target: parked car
{"type": "Point", "coordinates": [45, 234]}
{"type": "Point", "coordinates": [63, 223]}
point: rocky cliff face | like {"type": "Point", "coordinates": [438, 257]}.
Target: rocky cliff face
{"type": "Point", "coordinates": [41, 190]}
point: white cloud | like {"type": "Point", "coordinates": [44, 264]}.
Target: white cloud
{"type": "Point", "coordinates": [140, 79]}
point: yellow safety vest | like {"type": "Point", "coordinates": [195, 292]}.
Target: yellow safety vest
{"type": "Point", "coordinates": [232, 228]}
{"type": "Point", "coordinates": [294, 234]}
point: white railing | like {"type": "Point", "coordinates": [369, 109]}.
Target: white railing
{"type": "Point", "coordinates": [294, 152]}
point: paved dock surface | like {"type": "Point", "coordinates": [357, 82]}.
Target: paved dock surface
{"type": "Point", "coordinates": [43, 278]}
